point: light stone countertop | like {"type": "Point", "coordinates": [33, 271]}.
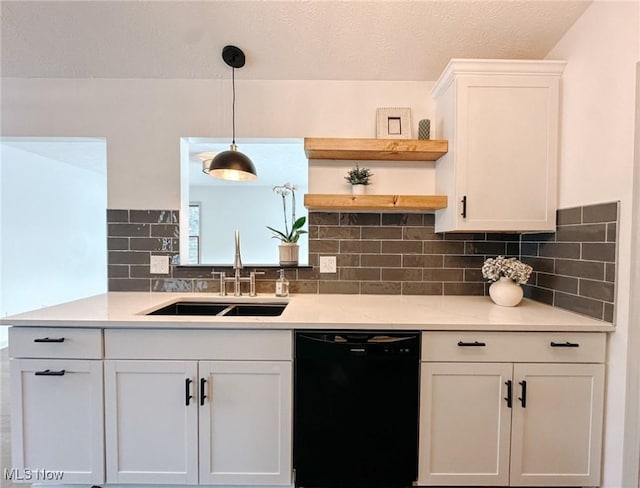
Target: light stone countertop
{"type": "Point", "coordinates": [307, 311]}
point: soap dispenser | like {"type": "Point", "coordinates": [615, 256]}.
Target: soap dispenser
{"type": "Point", "coordinates": [282, 285]}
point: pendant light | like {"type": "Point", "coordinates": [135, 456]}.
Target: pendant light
{"type": "Point", "coordinates": [232, 164]}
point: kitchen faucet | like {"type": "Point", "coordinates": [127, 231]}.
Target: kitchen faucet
{"type": "Point", "coordinates": [237, 263]}
{"type": "Point", "coordinates": [237, 278]}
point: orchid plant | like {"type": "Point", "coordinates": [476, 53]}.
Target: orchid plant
{"type": "Point", "coordinates": [292, 234]}
{"type": "Point", "coordinates": [495, 268]}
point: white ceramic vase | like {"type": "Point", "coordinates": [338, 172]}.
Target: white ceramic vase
{"type": "Point", "coordinates": [358, 189]}
{"type": "Point", "coordinates": [506, 292]}
{"type": "Point", "coordinates": [288, 253]}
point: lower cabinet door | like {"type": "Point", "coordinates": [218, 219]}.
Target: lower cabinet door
{"type": "Point", "coordinates": [557, 424]}
{"type": "Point", "coordinates": [245, 422]}
{"type": "Point", "coordinates": [151, 422]}
{"type": "Point", "coordinates": [464, 424]}
{"type": "Point", "coordinates": [57, 421]}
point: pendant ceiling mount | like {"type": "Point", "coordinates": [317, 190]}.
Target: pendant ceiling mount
{"type": "Point", "coordinates": [233, 56]}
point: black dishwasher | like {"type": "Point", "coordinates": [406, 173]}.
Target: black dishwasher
{"type": "Point", "coordinates": [356, 409]}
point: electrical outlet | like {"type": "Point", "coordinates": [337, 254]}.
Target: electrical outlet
{"type": "Point", "coordinates": [327, 264]}
{"type": "Point", "coordinates": [159, 265]}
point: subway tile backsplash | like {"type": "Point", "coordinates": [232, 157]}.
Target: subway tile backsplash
{"type": "Point", "coordinates": [394, 253]}
{"type": "Point", "coordinates": [574, 268]}
{"type": "Point", "coordinates": [132, 237]}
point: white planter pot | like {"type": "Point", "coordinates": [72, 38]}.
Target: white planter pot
{"type": "Point", "coordinates": [506, 292]}
{"type": "Point", "coordinates": [288, 253]}
{"type": "Point", "coordinates": [358, 189]}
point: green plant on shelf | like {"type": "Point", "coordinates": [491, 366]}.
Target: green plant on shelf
{"type": "Point", "coordinates": [359, 176]}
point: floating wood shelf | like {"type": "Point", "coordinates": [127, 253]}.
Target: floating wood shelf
{"type": "Point", "coordinates": [375, 149]}
{"type": "Point", "coordinates": [404, 203]}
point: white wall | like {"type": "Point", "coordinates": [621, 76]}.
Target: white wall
{"type": "Point", "coordinates": [143, 120]}
{"type": "Point", "coordinates": [53, 228]}
{"type": "Point", "coordinates": [631, 460]}
{"type": "Point", "coordinates": [596, 165]}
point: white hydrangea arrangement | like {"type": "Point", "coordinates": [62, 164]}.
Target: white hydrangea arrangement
{"type": "Point", "coordinates": [495, 268]}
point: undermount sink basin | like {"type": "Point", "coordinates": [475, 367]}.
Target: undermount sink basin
{"type": "Point", "coordinates": [253, 310]}
{"type": "Point", "coordinates": [221, 309]}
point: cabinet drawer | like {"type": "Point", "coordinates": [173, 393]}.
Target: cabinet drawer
{"type": "Point", "coordinates": [529, 347]}
{"type": "Point", "coordinates": [261, 345]}
{"type": "Point", "coordinates": [54, 342]}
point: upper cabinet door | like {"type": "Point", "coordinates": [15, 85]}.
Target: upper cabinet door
{"type": "Point", "coordinates": [500, 173]}
{"type": "Point", "coordinates": [151, 427]}
{"type": "Point", "coordinates": [57, 419]}
{"type": "Point", "coordinates": [557, 431]}
{"type": "Point", "coordinates": [245, 422]}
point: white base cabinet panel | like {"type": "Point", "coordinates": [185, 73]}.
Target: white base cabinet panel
{"type": "Point", "coordinates": [245, 422]}
{"type": "Point", "coordinates": [554, 424]}
{"type": "Point", "coordinates": [57, 418]}
{"type": "Point", "coordinates": [198, 422]}
{"type": "Point", "coordinates": [511, 409]}
{"type": "Point", "coordinates": [556, 437]}
{"type": "Point", "coordinates": [151, 433]}
{"type": "Point", "coordinates": [465, 424]}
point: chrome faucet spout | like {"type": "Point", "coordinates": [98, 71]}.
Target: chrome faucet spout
{"type": "Point", "coordinates": [237, 279]}
{"type": "Point", "coordinates": [237, 263]}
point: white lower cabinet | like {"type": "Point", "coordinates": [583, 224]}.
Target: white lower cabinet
{"type": "Point", "coordinates": [465, 424]}
{"type": "Point", "coordinates": [151, 432]}
{"type": "Point", "coordinates": [245, 422]}
{"type": "Point", "coordinates": [508, 423]}
{"type": "Point", "coordinates": [208, 422]}
{"type": "Point", "coordinates": [56, 420]}
{"type": "Point", "coordinates": [557, 433]}
{"type": "Point", "coordinates": [56, 402]}
{"type": "Point", "coordinates": [214, 407]}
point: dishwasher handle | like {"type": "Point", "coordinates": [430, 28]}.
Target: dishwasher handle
{"type": "Point", "coordinates": [357, 338]}
{"type": "Point", "coordinates": [388, 346]}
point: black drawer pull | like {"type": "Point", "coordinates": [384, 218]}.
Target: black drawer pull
{"type": "Point", "coordinates": [464, 207]}
{"type": "Point", "coordinates": [46, 339]}
{"type": "Point", "coordinates": [564, 344]}
{"type": "Point", "coordinates": [471, 344]}
{"type": "Point", "coordinates": [48, 372]}
{"type": "Point", "coordinates": [203, 388]}
{"type": "Point", "coordinates": [523, 398]}
{"type": "Point", "coordinates": [187, 391]}
{"type": "Point", "coordinates": [509, 397]}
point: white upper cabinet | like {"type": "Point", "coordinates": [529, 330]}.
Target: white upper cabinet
{"type": "Point", "coordinates": [501, 119]}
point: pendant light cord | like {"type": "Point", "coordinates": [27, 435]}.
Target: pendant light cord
{"type": "Point", "coordinates": [233, 106]}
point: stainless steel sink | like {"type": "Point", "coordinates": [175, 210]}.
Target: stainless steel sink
{"type": "Point", "coordinates": [221, 309]}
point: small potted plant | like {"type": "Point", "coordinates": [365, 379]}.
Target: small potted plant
{"type": "Point", "coordinates": [506, 275]}
{"type": "Point", "coordinates": [288, 249]}
{"type": "Point", "coordinates": [359, 179]}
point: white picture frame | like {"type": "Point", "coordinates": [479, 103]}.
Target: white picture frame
{"type": "Point", "coordinates": [393, 123]}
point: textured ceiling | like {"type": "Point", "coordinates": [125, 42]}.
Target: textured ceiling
{"type": "Point", "coordinates": [294, 40]}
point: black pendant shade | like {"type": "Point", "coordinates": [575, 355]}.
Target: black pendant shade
{"type": "Point", "coordinates": [232, 164]}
